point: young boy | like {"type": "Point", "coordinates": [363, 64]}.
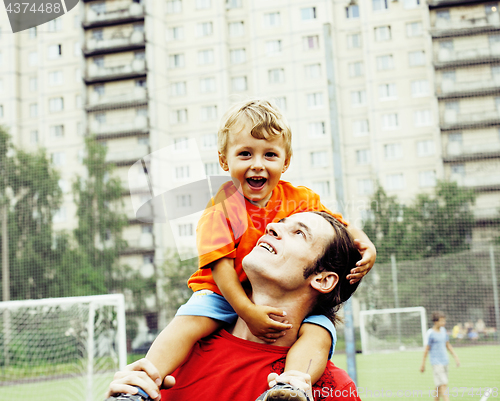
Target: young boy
{"type": "Point", "coordinates": [254, 144]}
{"type": "Point", "coordinates": [437, 344]}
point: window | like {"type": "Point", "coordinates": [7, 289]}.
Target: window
{"type": "Point", "coordinates": [443, 14]}
{"type": "Point", "coordinates": [411, 3]}
{"type": "Point", "coordinates": [34, 110]}
{"type": "Point", "coordinates": [212, 168]}
{"type": "Point", "coordinates": [100, 118]}
{"type": "Point", "coordinates": [34, 136]}
{"type": "Point", "coordinates": [416, 58]}
{"type": "Point", "coordinates": [97, 34]}
{"type": "Point", "coordinates": [185, 230]}
{"type": "Point", "coordinates": [77, 49]}
{"type": "Point", "coordinates": [239, 84]}
{"type": "Point", "coordinates": [422, 118]}
{"type": "Point", "coordinates": [183, 200]}
{"type": "Point", "coordinates": [449, 75]}
{"type": "Point", "coordinates": [209, 141]}
{"type": "Point", "coordinates": [175, 33]}
{"type": "Point", "coordinates": [143, 141]}
{"type": "Point", "coordinates": [308, 13]}
{"type": "Point", "coordinates": [205, 57]}
{"type": "Point", "coordinates": [315, 100]}
{"type": "Point", "coordinates": [181, 143]}
{"type": "Point", "coordinates": [365, 186]}
{"type": "Point", "coordinates": [54, 25]}
{"type": "Point", "coordinates": [140, 55]}
{"type": "Point", "coordinates": [395, 182]}
{"type": "Point", "coordinates": [203, 4]}
{"type": "Point", "coordinates": [182, 172]}
{"type": "Point", "coordinates": [204, 29]}
{"type": "Point", "coordinates": [176, 60]}
{"type": "Point", "coordinates": [311, 42]}
{"type": "Point", "coordinates": [356, 69]}
{"type": "Point", "coordinates": [99, 89]}
{"type": "Point", "coordinates": [147, 228]}
{"type": "Point", "coordinates": [455, 137]}
{"type": "Point", "coordinates": [379, 5]}
{"type": "Point", "coordinates": [393, 151]}
{"type": "Point", "coordinates": [56, 104]}
{"type": "Point", "coordinates": [390, 121]}
{"type": "Point", "coordinates": [387, 92]}
{"type": "Point", "coordinates": [276, 75]}
{"type": "Point", "coordinates": [352, 11]}
{"type": "Point", "coordinates": [32, 33]}
{"type": "Point", "coordinates": [420, 88]}
{"type": "Point", "coordinates": [174, 6]}
{"type": "Point", "coordinates": [55, 78]}
{"type": "Point", "coordinates": [208, 113]}
{"type": "Point", "coordinates": [178, 88]}
{"type": "Point", "coordinates": [57, 131]}
{"type": "Point", "coordinates": [236, 29]}
{"type": "Point", "coordinates": [425, 148]}
{"type": "Point", "coordinates": [354, 41]}
{"type": "Point", "coordinates": [414, 29]}
{"type": "Point", "coordinates": [207, 85]}
{"type": "Point", "coordinates": [54, 51]}
{"type": "Point", "coordinates": [360, 128]}
{"type": "Point", "coordinates": [322, 188]}
{"type": "Point", "coordinates": [1, 110]}
{"type": "Point", "coordinates": [358, 98]}
{"type": "Point", "coordinates": [140, 83]}
{"type": "Point", "coordinates": [141, 111]}
{"type": "Point", "coordinates": [280, 102]}
{"type": "Point", "coordinates": [273, 47]}
{"type": "Point", "coordinates": [238, 56]}
{"type": "Point", "coordinates": [272, 19]}
{"type": "Point", "coordinates": [59, 216]}
{"type": "Point", "coordinates": [458, 169]}
{"type": "Point", "coordinates": [234, 4]}
{"type": "Point", "coordinates": [58, 158]}
{"type": "Point", "coordinates": [448, 44]}
{"type": "Point", "coordinates": [382, 33]}
{"type": "Point", "coordinates": [427, 178]}
{"type": "Point", "coordinates": [453, 105]}
{"type": "Point", "coordinates": [313, 70]}
{"type": "Point", "coordinates": [98, 61]}
{"type": "Point", "coordinates": [319, 159]}
{"type": "Point", "coordinates": [385, 62]}
{"type": "Point", "coordinates": [316, 129]}
{"type": "Point", "coordinates": [363, 156]}
{"type": "Point", "coordinates": [179, 116]}
{"type": "Point", "coordinates": [33, 58]}
{"type": "Point", "coordinates": [33, 84]}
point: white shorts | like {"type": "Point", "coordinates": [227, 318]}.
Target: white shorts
{"type": "Point", "coordinates": [440, 374]}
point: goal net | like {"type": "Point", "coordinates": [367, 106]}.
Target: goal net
{"type": "Point", "coordinates": [396, 329]}
{"type": "Point", "coordinates": [61, 348]}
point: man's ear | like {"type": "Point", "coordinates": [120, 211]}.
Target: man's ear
{"type": "Point", "coordinates": [325, 282]}
{"type": "Point", "coordinates": [223, 162]}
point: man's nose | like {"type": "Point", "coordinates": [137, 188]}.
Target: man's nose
{"type": "Point", "coordinates": [274, 230]}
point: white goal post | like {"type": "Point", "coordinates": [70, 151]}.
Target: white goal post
{"type": "Point", "coordinates": [76, 342]}
{"type": "Point", "coordinates": [398, 329]}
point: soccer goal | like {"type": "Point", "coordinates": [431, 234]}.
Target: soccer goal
{"type": "Point", "coordinates": [398, 329]}
{"type": "Point", "coordinates": [61, 348]}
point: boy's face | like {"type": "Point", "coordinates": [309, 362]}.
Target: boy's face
{"type": "Point", "coordinates": [441, 322]}
{"type": "Point", "coordinates": [254, 164]}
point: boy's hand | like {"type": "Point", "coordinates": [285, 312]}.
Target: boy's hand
{"type": "Point", "coordinates": [262, 325]}
{"type": "Point", "coordinates": [368, 256]}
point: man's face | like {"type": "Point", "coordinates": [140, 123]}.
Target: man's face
{"type": "Point", "coordinates": [288, 248]}
{"type": "Point", "coordinates": [255, 164]}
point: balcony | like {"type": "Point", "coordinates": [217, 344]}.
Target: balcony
{"type": "Point", "coordinates": [451, 89]}
{"type": "Point", "coordinates": [451, 119]}
{"type": "Point", "coordinates": [114, 45]}
{"type": "Point", "coordinates": [451, 3]}
{"type": "Point", "coordinates": [123, 12]}
{"type": "Point", "coordinates": [466, 26]}
{"type": "Point", "coordinates": [445, 58]}
{"type": "Point", "coordinates": [457, 152]}
{"type": "Point", "coordinates": [98, 74]}
{"type": "Point", "coordinates": [479, 182]}
{"type": "Point", "coordinates": [133, 126]}
{"type": "Point", "coordinates": [127, 156]}
{"type": "Point", "coordinates": [136, 96]}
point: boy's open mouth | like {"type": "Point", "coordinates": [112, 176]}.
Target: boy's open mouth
{"type": "Point", "coordinates": [256, 183]}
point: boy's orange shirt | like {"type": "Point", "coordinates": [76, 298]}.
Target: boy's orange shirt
{"type": "Point", "coordinates": [231, 228]}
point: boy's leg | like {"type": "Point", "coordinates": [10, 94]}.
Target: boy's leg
{"type": "Point", "coordinates": [174, 343]}
{"type": "Point", "coordinates": [443, 392]}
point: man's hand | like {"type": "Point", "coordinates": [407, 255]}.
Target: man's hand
{"type": "Point", "coordinates": [368, 256]}
{"type": "Point", "coordinates": [143, 374]}
{"type": "Point", "coordinates": [262, 325]}
{"type": "Point", "coordinates": [294, 378]}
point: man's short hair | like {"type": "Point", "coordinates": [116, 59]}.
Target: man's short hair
{"type": "Point", "coordinates": [340, 256]}
{"type": "Point", "coordinates": [266, 120]}
{"type": "Point", "coordinates": [437, 315]}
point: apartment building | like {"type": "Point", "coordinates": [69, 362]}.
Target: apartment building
{"type": "Point", "coordinates": [466, 53]}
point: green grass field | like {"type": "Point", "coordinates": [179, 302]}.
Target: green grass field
{"type": "Point", "coordinates": [377, 373]}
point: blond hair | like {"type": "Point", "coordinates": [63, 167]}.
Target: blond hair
{"type": "Point", "coordinates": [266, 121]}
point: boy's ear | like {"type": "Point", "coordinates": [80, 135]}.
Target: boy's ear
{"type": "Point", "coordinates": [286, 165]}
{"type": "Point", "coordinates": [325, 282]}
{"type": "Point", "coordinates": [223, 162]}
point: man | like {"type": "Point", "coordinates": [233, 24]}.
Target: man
{"type": "Point", "coordinates": [300, 266]}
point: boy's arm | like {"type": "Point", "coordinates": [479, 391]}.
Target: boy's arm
{"type": "Point", "coordinates": [452, 352]}
{"type": "Point", "coordinates": [256, 316]}
{"type": "Point", "coordinates": [426, 351]}
{"type": "Point", "coordinates": [368, 253]}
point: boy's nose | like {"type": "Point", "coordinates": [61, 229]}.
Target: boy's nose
{"type": "Point", "coordinates": [257, 164]}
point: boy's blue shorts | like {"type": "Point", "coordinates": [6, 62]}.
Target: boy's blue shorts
{"type": "Point", "coordinates": [210, 304]}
